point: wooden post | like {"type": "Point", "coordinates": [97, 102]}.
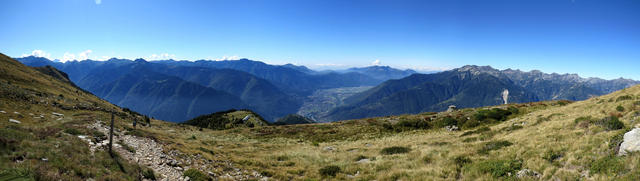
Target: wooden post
{"type": "Point", "coordinates": [111, 135]}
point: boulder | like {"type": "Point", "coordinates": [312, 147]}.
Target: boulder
{"type": "Point", "coordinates": [452, 128]}
{"type": "Point", "coordinates": [329, 148]}
{"type": "Point", "coordinates": [631, 142]}
{"type": "Point", "coordinates": [14, 121]}
{"type": "Point", "coordinates": [527, 173]}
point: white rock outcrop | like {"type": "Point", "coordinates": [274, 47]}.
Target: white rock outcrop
{"type": "Point", "coordinates": [631, 142]}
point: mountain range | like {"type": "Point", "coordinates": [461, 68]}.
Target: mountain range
{"type": "Point", "coordinates": [470, 86]}
{"type": "Point", "coordinates": [181, 90]}
{"type": "Point", "coordinates": [156, 88]}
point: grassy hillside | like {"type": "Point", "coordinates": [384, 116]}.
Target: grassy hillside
{"type": "Point", "coordinates": [51, 112]}
{"type": "Point", "coordinates": [557, 140]}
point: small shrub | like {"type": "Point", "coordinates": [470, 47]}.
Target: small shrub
{"type": "Point", "coordinates": [72, 131]}
{"type": "Point", "coordinates": [196, 175]}
{"type": "Point", "coordinates": [494, 145]}
{"type": "Point", "coordinates": [446, 121]}
{"type": "Point", "coordinates": [461, 161]}
{"type": "Point", "coordinates": [149, 174]}
{"type": "Point", "coordinates": [330, 170]}
{"type": "Point", "coordinates": [427, 159]}
{"type": "Point", "coordinates": [494, 114]}
{"type": "Point", "coordinates": [512, 128]}
{"type": "Point", "coordinates": [637, 103]}
{"type": "Point", "coordinates": [282, 158]}
{"type": "Point", "coordinates": [620, 108]}
{"type": "Point", "coordinates": [410, 124]}
{"type": "Point", "coordinates": [611, 123]}
{"type": "Point", "coordinates": [563, 102]}
{"type": "Point", "coordinates": [625, 97]}
{"type": "Point", "coordinates": [470, 124]}
{"type": "Point", "coordinates": [479, 130]}
{"type": "Point", "coordinates": [498, 168]}
{"type": "Point", "coordinates": [610, 164]}
{"type": "Point", "coordinates": [472, 139]}
{"type": "Point", "coordinates": [552, 155]}
{"type": "Point", "coordinates": [193, 137]}
{"type": "Point", "coordinates": [583, 119]}
{"type": "Point", "coordinates": [394, 150]}
{"type": "Point", "coordinates": [315, 143]}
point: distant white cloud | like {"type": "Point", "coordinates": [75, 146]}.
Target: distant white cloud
{"type": "Point", "coordinates": [233, 57]}
{"type": "Point", "coordinates": [38, 53]}
{"type": "Point", "coordinates": [162, 56]}
{"type": "Point", "coordinates": [376, 62]}
{"type": "Point", "coordinates": [98, 2]}
{"type": "Point", "coordinates": [330, 65]}
{"type": "Point", "coordinates": [80, 56]}
{"type": "Point", "coordinates": [426, 68]}
{"type": "Point", "coordinates": [84, 55]}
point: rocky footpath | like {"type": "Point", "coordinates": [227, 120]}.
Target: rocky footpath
{"type": "Point", "coordinates": [168, 165]}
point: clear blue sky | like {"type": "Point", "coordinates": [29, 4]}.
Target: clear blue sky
{"type": "Point", "coordinates": [589, 37]}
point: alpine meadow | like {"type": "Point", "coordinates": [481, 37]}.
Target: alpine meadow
{"type": "Point", "coordinates": [319, 90]}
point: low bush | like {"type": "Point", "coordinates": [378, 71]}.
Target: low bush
{"type": "Point", "coordinates": [620, 108]}
{"type": "Point", "coordinates": [196, 175]}
{"type": "Point", "coordinates": [445, 121]}
{"type": "Point", "coordinates": [610, 123]}
{"type": "Point", "coordinates": [579, 120]}
{"type": "Point", "coordinates": [552, 155]}
{"type": "Point", "coordinates": [610, 164]}
{"type": "Point", "coordinates": [72, 131]}
{"type": "Point", "coordinates": [625, 97]}
{"type": "Point", "coordinates": [479, 130]}
{"type": "Point", "coordinates": [149, 174]}
{"type": "Point", "coordinates": [461, 161]}
{"type": "Point", "coordinates": [494, 145]}
{"type": "Point", "coordinates": [409, 124]}
{"type": "Point", "coordinates": [498, 168]}
{"type": "Point", "coordinates": [330, 170]}
{"type": "Point", "coordinates": [394, 150]}
{"type": "Point", "coordinates": [495, 114]}
{"type": "Point", "coordinates": [427, 159]}
{"type": "Point", "coordinates": [511, 128]}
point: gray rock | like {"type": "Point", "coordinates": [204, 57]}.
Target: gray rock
{"type": "Point", "coordinates": [631, 142]}
{"type": "Point", "coordinates": [57, 114]}
{"type": "Point", "coordinates": [3, 112]}
{"type": "Point", "coordinates": [452, 128]}
{"type": "Point", "coordinates": [14, 121]}
{"type": "Point", "coordinates": [527, 173]}
{"type": "Point", "coordinates": [365, 160]}
{"type": "Point", "coordinates": [329, 148]}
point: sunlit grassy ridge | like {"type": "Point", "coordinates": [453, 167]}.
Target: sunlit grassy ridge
{"type": "Point", "coordinates": [543, 137]}
{"type": "Point", "coordinates": [44, 145]}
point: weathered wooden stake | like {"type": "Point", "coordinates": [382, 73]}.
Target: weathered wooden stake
{"type": "Point", "coordinates": [111, 135]}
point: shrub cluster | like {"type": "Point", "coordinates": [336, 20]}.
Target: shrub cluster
{"type": "Point", "coordinates": [610, 164]}
{"type": "Point", "coordinates": [494, 145]}
{"type": "Point", "coordinates": [495, 114]}
{"type": "Point", "coordinates": [498, 168]}
{"type": "Point", "coordinates": [330, 170]}
{"type": "Point", "coordinates": [625, 97]}
{"type": "Point", "coordinates": [407, 124]}
{"type": "Point", "coordinates": [394, 150]}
